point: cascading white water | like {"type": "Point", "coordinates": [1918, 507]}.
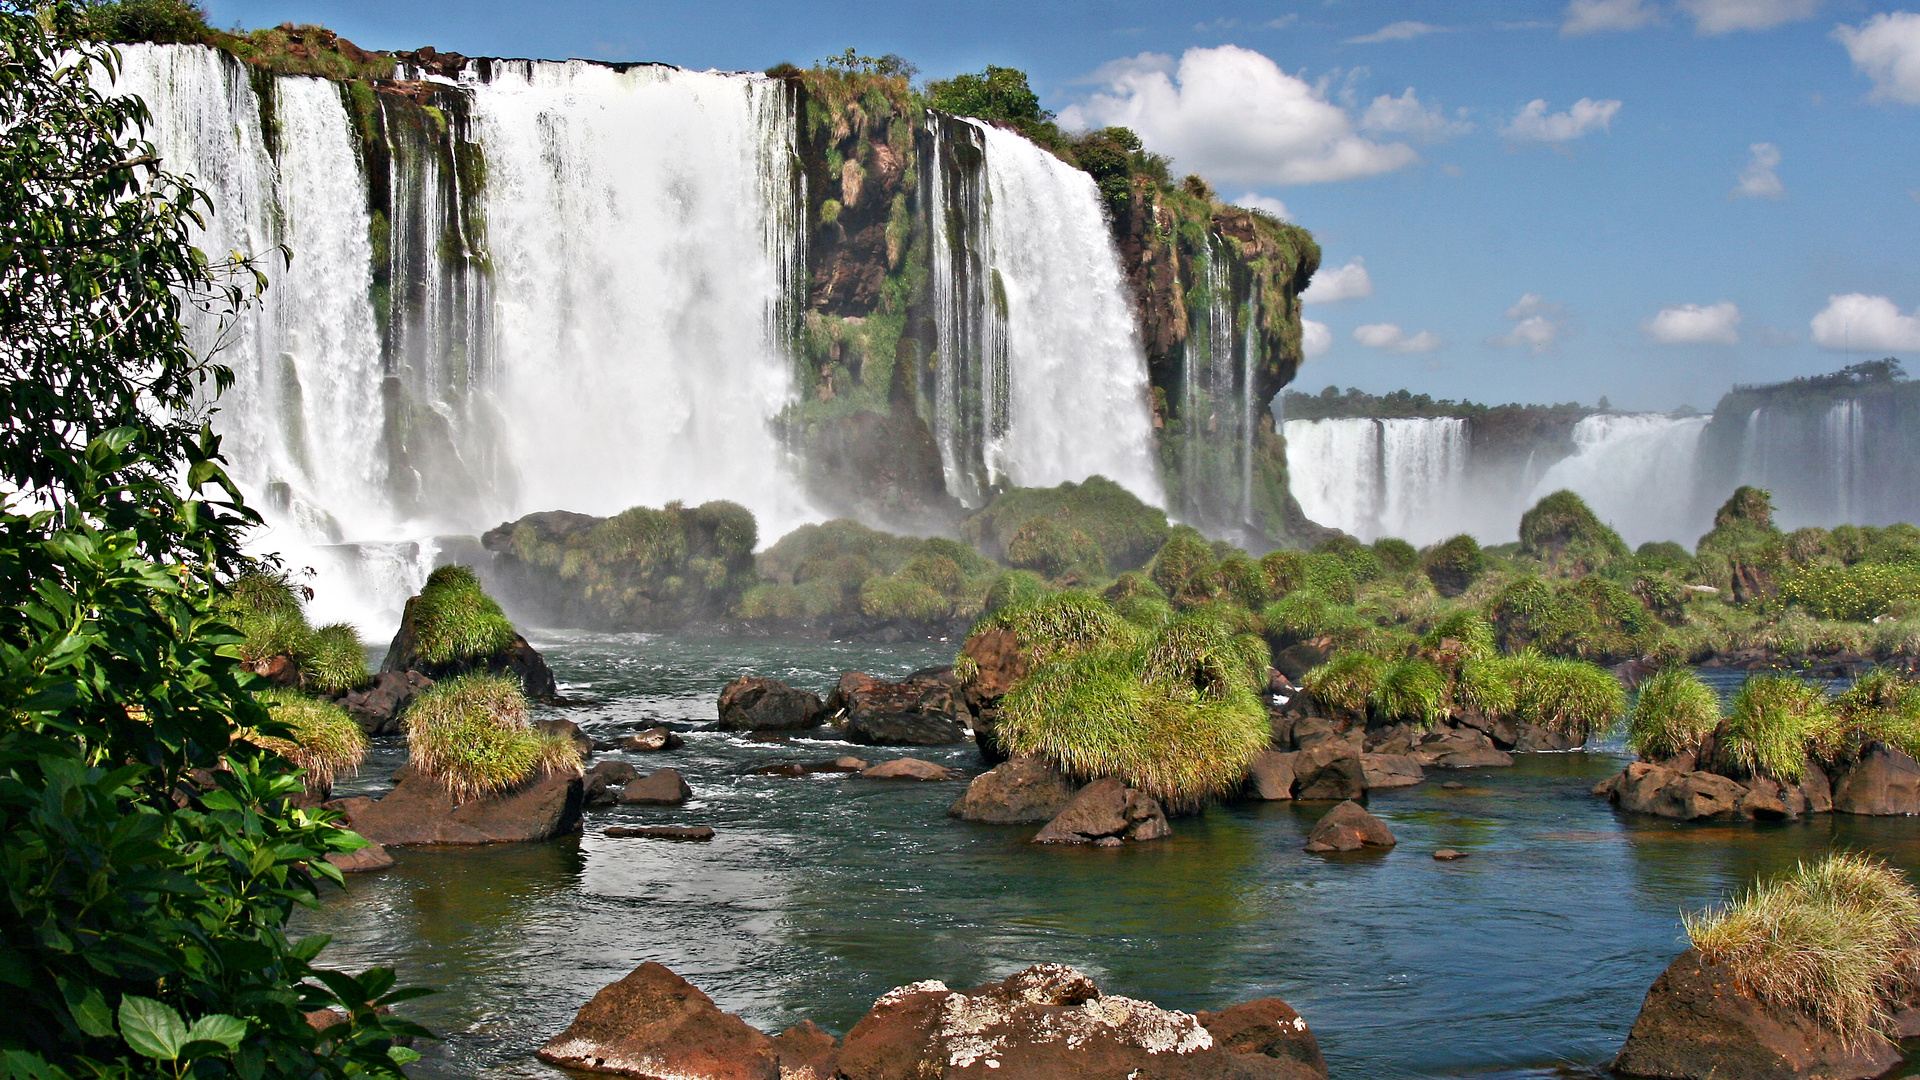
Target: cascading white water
{"type": "Point", "coordinates": [1638, 472]}
{"type": "Point", "coordinates": [1423, 462]}
{"type": "Point", "coordinates": [1845, 435]}
{"type": "Point", "coordinates": [1333, 469]}
{"type": "Point", "coordinates": [1077, 372]}
{"type": "Point", "coordinates": [970, 341]}
{"type": "Point", "coordinates": [1375, 478]}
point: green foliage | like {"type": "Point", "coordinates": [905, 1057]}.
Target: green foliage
{"type": "Point", "coordinates": [891, 66]}
{"type": "Point", "coordinates": [1590, 618]}
{"type": "Point", "coordinates": [1138, 600]}
{"type": "Point", "coordinates": [1572, 697]}
{"type": "Point", "coordinates": [643, 568]}
{"type": "Point", "coordinates": [1014, 589]}
{"type": "Point", "coordinates": [1285, 571]}
{"type": "Point", "coordinates": [1661, 556]}
{"type": "Point", "coordinates": [1241, 580]}
{"type": "Point", "coordinates": [326, 741]}
{"type": "Point", "coordinates": [472, 734]}
{"type": "Point", "coordinates": [454, 620]}
{"type": "Point", "coordinates": [1453, 564]}
{"type": "Point", "coordinates": [1881, 706]}
{"type": "Point", "coordinates": [306, 50]}
{"type": "Point", "coordinates": [1488, 687]}
{"type": "Point", "coordinates": [1413, 691]}
{"type": "Point", "coordinates": [903, 598]}
{"type": "Point", "coordinates": [998, 93]}
{"type": "Point", "coordinates": [1185, 567]}
{"type": "Point", "coordinates": [1857, 593]}
{"type": "Point", "coordinates": [1562, 530]}
{"type": "Point", "coordinates": [335, 661]}
{"type": "Point", "coordinates": [1396, 556]}
{"type": "Point", "coordinates": [1055, 551]}
{"type": "Point", "coordinates": [1747, 506]}
{"type": "Point", "coordinates": [1346, 682]}
{"type": "Point", "coordinates": [1361, 564]}
{"type": "Point", "coordinates": [1674, 714]}
{"type": "Point", "coordinates": [1773, 720]}
{"type": "Point", "coordinates": [1053, 624]}
{"type": "Point", "coordinates": [1127, 530]}
{"type": "Point", "coordinates": [1832, 940]}
{"type": "Point", "coordinates": [164, 22]}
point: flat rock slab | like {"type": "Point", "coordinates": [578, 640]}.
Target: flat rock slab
{"type": "Point", "coordinates": [652, 741]}
{"type": "Point", "coordinates": [662, 787]}
{"type": "Point", "coordinates": [809, 768]}
{"type": "Point", "coordinates": [1021, 791]}
{"type": "Point", "coordinates": [1390, 771]}
{"type": "Point", "coordinates": [908, 769]}
{"type": "Point", "coordinates": [661, 832]}
{"type": "Point", "coordinates": [1448, 855]}
{"type": "Point", "coordinates": [361, 860]}
{"type": "Point", "coordinates": [420, 811]}
{"type": "Point", "coordinates": [1348, 827]}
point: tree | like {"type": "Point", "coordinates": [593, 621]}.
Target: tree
{"type": "Point", "coordinates": [150, 855]}
{"type": "Point", "coordinates": [998, 93]}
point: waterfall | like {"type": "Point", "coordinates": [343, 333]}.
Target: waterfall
{"type": "Point", "coordinates": [1639, 474]}
{"type": "Point", "coordinates": [1846, 444]}
{"type": "Point", "coordinates": [1375, 478]}
{"type": "Point", "coordinates": [1042, 378]}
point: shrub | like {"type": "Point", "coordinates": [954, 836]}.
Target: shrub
{"type": "Point", "coordinates": [1184, 568]}
{"type": "Point", "coordinates": [1329, 577]}
{"type": "Point", "coordinates": [1414, 691]}
{"type": "Point", "coordinates": [1880, 706]}
{"type": "Point", "coordinates": [1591, 618]}
{"type": "Point", "coordinates": [1361, 564]}
{"type": "Point", "coordinates": [1460, 638]}
{"type": "Point", "coordinates": [1774, 718]}
{"type": "Point", "coordinates": [471, 733]}
{"type": "Point", "coordinates": [1674, 713]}
{"type": "Point", "coordinates": [1396, 555]}
{"type": "Point", "coordinates": [1453, 564]}
{"type": "Point", "coordinates": [1561, 529]}
{"type": "Point", "coordinates": [1661, 595]}
{"type": "Point", "coordinates": [1242, 580]}
{"type": "Point", "coordinates": [1346, 682]}
{"type": "Point", "coordinates": [1856, 593]}
{"type": "Point", "coordinates": [326, 741]}
{"type": "Point", "coordinates": [904, 599]}
{"type": "Point", "coordinates": [164, 22]}
{"type": "Point", "coordinates": [1014, 588]}
{"type": "Point", "coordinates": [1126, 530]}
{"type": "Point", "coordinates": [1054, 551]}
{"type": "Point", "coordinates": [455, 620]}
{"type": "Point", "coordinates": [1285, 571]}
{"type": "Point", "coordinates": [1054, 624]}
{"type": "Point", "coordinates": [1662, 556]}
{"type": "Point", "coordinates": [1832, 941]}
{"type": "Point", "coordinates": [335, 661]}
{"type": "Point", "coordinates": [1572, 697]}
{"type": "Point", "coordinates": [1487, 687]}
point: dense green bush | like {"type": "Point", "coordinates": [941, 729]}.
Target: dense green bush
{"type": "Point", "coordinates": [1880, 706]}
{"type": "Point", "coordinates": [1361, 562]}
{"type": "Point", "coordinates": [325, 741]}
{"type": "Point", "coordinates": [268, 611]}
{"type": "Point", "coordinates": [1453, 564]}
{"type": "Point", "coordinates": [1590, 618]}
{"type": "Point", "coordinates": [472, 734]}
{"type": "Point", "coordinates": [1413, 691]}
{"type": "Point", "coordinates": [1185, 568]}
{"type": "Point", "coordinates": [1562, 529]}
{"type": "Point", "coordinates": [1487, 687]}
{"type": "Point", "coordinates": [1571, 697]}
{"type": "Point", "coordinates": [1856, 593]}
{"type": "Point", "coordinates": [1347, 682]}
{"type": "Point", "coordinates": [1396, 555]}
{"type": "Point", "coordinates": [1055, 551]}
{"type": "Point", "coordinates": [164, 22]}
{"type": "Point", "coordinates": [454, 620]}
{"type": "Point", "coordinates": [1673, 715]}
{"type": "Point", "coordinates": [1773, 721]}
{"type": "Point", "coordinates": [842, 569]}
{"type": "Point", "coordinates": [1127, 531]}
{"type": "Point", "coordinates": [642, 568]}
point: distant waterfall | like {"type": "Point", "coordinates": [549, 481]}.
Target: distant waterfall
{"type": "Point", "coordinates": [1041, 377]}
{"type": "Point", "coordinates": [1375, 478]}
{"type": "Point", "coordinates": [1827, 461]}
{"type": "Point", "coordinates": [1639, 473]}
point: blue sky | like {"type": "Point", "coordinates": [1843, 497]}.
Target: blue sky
{"type": "Point", "coordinates": [1646, 199]}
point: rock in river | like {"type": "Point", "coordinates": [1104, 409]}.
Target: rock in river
{"type": "Point", "coordinates": [1106, 812]}
{"type": "Point", "coordinates": [663, 787]}
{"type": "Point", "coordinates": [908, 768]}
{"type": "Point", "coordinates": [657, 1026]}
{"type": "Point", "coordinates": [1348, 827]}
{"type": "Point", "coordinates": [420, 811]}
{"type": "Point", "coordinates": [753, 703]}
{"type": "Point", "coordinates": [1024, 790]}
{"type": "Point", "coordinates": [924, 709]}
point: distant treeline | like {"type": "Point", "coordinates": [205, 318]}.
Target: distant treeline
{"type": "Point", "coordinates": [1402, 404]}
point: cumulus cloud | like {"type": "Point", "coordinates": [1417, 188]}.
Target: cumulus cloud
{"type": "Point", "coordinates": [1694, 324]}
{"type": "Point", "coordinates": [1534, 123]}
{"type": "Point", "coordinates": [1536, 325]}
{"type": "Point", "coordinates": [1253, 200]}
{"type": "Point", "coordinates": [1726, 16]}
{"type": "Point", "coordinates": [1757, 180]}
{"type": "Point", "coordinates": [1597, 16]}
{"type": "Point", "coordinates": [1316, 339]}
{"type": "Point", "coordinates": [1400, 31]}
{"type": "Point", "coordinates": [1232, 115]}
{"type": "Point", "coordinates": [1408, 115]}
{"type": "Point", "coordinates": [1390, 338]}
{"type": "Point", "coordinates": [1859, 321]}
{"type": "Point", "coordinates": [1349, 282]}
{"type": "Point", "coordinates": [1886, 48]}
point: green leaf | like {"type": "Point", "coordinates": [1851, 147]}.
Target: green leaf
{"type": "Point", "coordinates": [152, 1028]}
{"type": "Point", "coordinates": [88, 1007]}
{"type": "Point", "coordinates": [219, 1028]}
{"type": "Point", "coordinates": [403, 1055]}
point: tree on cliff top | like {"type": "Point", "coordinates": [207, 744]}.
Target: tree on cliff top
{"type": "Point", "coordinates": [998, 93]}
{"type": "Point", "coordinates": [150, 854]}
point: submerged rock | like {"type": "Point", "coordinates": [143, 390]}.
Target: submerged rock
{"type": "Point", "coordinates": [1696, 1024]}
{"type": "Point", "coordinates": [661, 832]}
{"type": "Point", "coordinates": [1024, 790]}
{"type": "Point", "coordinates": [908, 769]}
{"type": "Point", "coordinates": [1106, 812]}
{"type": "Point", "coordinates": [361, 860]}
{"type": "Point", "coordinates": [754, 703]}
{"type": "Point", "coordinates": [1459, 748]}
{"type": "Point", "coordinates": [419, 810]}
{"type": "Point", "coordinates": [1348, 827]}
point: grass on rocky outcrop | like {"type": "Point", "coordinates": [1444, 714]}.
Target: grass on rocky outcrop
{"type": "Point", "coordinates": [1833, 940]}
{"type": "Point", "coordinates": [1562, 529]}
{"type": "Point", "coordinates": [1675, 712]}
{"type": "Point", "coordinates": [1126, 531]}
{"type": "Point", "coordinates": [472, 734]}
{"type": "Point", "coordinates": [1773, 721]}
{"type": "Point", "coordinates": [334, 661]}
{"type": "Point", "coordinates": [1346, 682]}
{"type": "Point", "coordinates": [1413, 691]}
{"type": "Point", "coordinates": [1881, 706]}
{"type": "Point", "coordinates": [454, 619]}
{"type": "Point", "coordinates": [326, 742]}
{"type": "Point", "coordinates": [269, 612]}
{"type": "Point", "coordinates": [1572, 697]}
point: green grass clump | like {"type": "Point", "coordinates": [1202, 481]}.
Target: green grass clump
{"type": "Point", "coordinates": [1774, 718]}
{"type": "Point", "coordinates": [472, 734]}
{"type": "Point", "coordinates": [454, 619]}
{"type": "Point", "coordinates": [1459, 638]}
{"type": "Point", "coordinates": [1126, 531]}
{"type": "Point", "coordinates": [1572, 697]}
{"type": "Point", "coordinates": [1015, 588]}
{"type": "Point", "coordinates": [1346, 682]}
{"type": "Point", "coordinates": [1055, 551]}
{"type": "Point", "coordinates": [1562, 529]}
{"type": "Point", "coordinates": [1396, 555]}
{"type": "Point", "coordinates": [326, 741]}
{"type": "Point", "coordinates": [1880, 706]}
{"type": "Point", "coordinates": [1361, 563]}
{"type": "Point", "coordinates": [903, 598]}
{"type": "Point", "coordinates": [1674, 713]}
{"type": "Point", "coordinates": [1058, 623]}
{"type": "Point", "coordinates": [1831, 940]}
{"type": "Point", "coordinates": [1185, 566]}
{"type": "Point", "coordinates": [1486, 687]}
{"type": "Point", "coordinates": [1454, 564]}
{"type": "Point", "coordinates": [1413, 691]}
{"type": "Point", "coordinates": [335, 661]}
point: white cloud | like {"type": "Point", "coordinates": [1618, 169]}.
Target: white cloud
{"type": "Point", "coordinates": [1400, 31]}
{"type": "Point", "coordinates": [1253, 200]}
{"type": "Point", "coordinates": [1695, 324]}
{"type": "Point", "coordinates": [1859, 321]}
{"type": "Point", "coordinates": [1726, 16]}
{"type": "Point", "coordinates": [1392, 339]}
{"type": "Point", "coordinates": [1757, 180]}
{"type": "Point", "coordinates": [1233, 116]}
{"type": "Point", "coordinates": [1595, 16]}
{"type": "Point", "coordinates": [1349, 282]}
{"type": "Point", "coordinates": [1316, 339]}
{"type": "Point", "coordinates": [1536, 325]}
{"type": "Point", "coordinates": [1408, 115]}
{"type": "Point", "coordinates": [1886, 48]}
{"type": "Point", "coordinates": [1534, 123]}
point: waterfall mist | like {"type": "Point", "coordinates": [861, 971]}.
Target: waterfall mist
{"type": "Point", "coordinates": [1640, 473]}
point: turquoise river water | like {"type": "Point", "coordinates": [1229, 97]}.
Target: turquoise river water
{"type": "Point", "coordinates": [1527, 959]}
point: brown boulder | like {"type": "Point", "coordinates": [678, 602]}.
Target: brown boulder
{"type": "Point", "coordinates": [1459, 748]}
{"type": "Point", "coordinates": [1532, 738]}
{"type": "Point", "coordinates": [518, 659]}
{"type": "Point", "coordinates": [654, 1025]}
{"type": "Point", "coordinates": [1348, 827]}
{"type": "Point", "coordinates": [908, 768]}
{"type": "Point", "coordinates": [652, 741]}
{"type": "Point", "coordinates": [1024, 790]}
{"type": "Point", "coordinates": [998, 663]}
{"type": "Point", "coordinates": [662, 787]}
{"type": "Point", "coordinates": [377, 706]}
{"type": "Point", "coordinates": [1270, 776]}
{"type": "Point", "coordinates": [1269, 1028]}
{"type": "Point", "coordinates": [1696, 1024]}
{"type": "Point", "coordinates": [419, 810]}
{"type": "Point", "coordinates": [1106, 812]}
{"type": "Point", "coordinates": [923, 709]}
{"type": "Point", "coordinates": [568, 729]}
{"type": "Point", "coordinates": [1329, 771]}
{"type": "Point", "coordinates": [1645, 788]}
{"type": "Point", "coordinates": [1884, 782]}
{"type": "Point", "coordinates": [361, 860]}
{"type": "Point", "coordinates": [602, 783]}
{"type": "Point", "coordinates": [754, 703]}
{"type": "Point", "coordinates": [1390, 771]}
{"type": "Point", "coordinates": [805, 1052]}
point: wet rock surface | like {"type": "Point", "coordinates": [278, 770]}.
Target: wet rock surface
{"type": "Point", "coordinates": [662, 787]}
{"type": "Point", "coordinates": [1106, 812]}
{"type": "Point", "coordinates": [1021, 791]}
{"type": "Point", "coordinates": [1348, 827]}
{"type": "Point", "coordinates": [924, 709]}
{"type": "Point", "coordinates": [419, 810]}
{"type": "Point", "coordinates": [754, 703]}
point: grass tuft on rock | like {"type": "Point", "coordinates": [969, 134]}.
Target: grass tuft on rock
{"type": "Point", "coordinates": [1346, 682]}
{"type": "Point", "coordinates": [454, 619]}
{"type": "Point", "coordinates": [1773, 720]}
{"type": "Point", "coordinates": [1571, 697]}
{"type": "Point", "coordinates": [1881, 706]}
{"type": "Point", "coordinates": [472, 734]}
{"type": "Point", "coordinates": [1832, 940]}
{"type": "Point", "coordinates": [1674, 714]}
{"type": "Point", "coordinates": [1413, 691]}
{"type": "Point", "coordinates": [335, 660]}
{"type": "Point", "coordinates": [326, 742]}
